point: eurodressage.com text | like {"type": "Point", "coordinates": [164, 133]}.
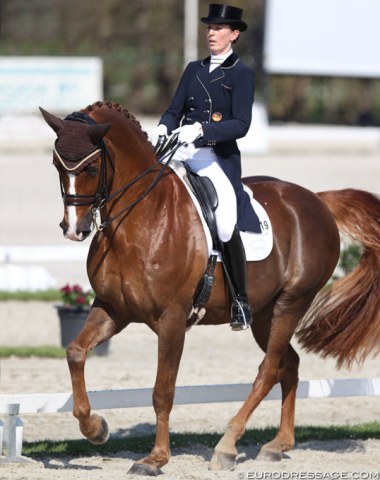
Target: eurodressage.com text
{"type": "Point", "coordinates": [309, 475]}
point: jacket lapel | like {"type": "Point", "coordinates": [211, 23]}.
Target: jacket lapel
{"type": "Point", "coordinates": [203, 73]}
{"type": "Point", "coordinates": [230, 61]}
{"type": "Point", "coordinates": [218, 73]}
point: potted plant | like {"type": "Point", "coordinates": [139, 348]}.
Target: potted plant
{"type": "Point", "coordinates": [76, 304]}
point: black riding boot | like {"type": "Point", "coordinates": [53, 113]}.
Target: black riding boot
{"type": "Point", "coordinates": [235, 262]}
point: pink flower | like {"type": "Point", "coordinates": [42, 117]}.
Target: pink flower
{"type": "Point", "coordinates": [75, 296]}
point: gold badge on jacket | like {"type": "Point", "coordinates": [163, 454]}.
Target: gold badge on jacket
{"type": "Point", "coordinates": [217, 116]}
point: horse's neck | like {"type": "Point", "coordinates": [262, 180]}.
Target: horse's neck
{"type": "Point", "coordinates": [133, 160]}
{"type": "Point", "coordinates": [132, 153]}
{"type": "Point", "coordinates": [130, 166]}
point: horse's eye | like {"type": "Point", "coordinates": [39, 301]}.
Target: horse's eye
{"type": "Point", "coordinates": [91, 171]}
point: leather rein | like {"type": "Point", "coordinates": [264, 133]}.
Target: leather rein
{"type": "Point", "coordinates": [102, 196]}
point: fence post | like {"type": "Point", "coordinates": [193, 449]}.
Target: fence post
{"type": "Point", "coordinates": [1, 437]}
{"type": "Point", "coordinates": [15, 432]}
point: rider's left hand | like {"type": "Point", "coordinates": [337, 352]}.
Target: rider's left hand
{"type": "Point", "coordinates": [189, 133]}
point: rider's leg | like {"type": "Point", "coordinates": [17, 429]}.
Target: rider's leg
{"type": "Point", "coordinates": [235, 261]}
{"type": "Point", "coordinates": [233, 248]}
{"type": "Point", "coordinates": [205, 163]}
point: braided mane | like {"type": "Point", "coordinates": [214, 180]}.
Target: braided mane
{"type": "Point", "coordinates": [113, 106]}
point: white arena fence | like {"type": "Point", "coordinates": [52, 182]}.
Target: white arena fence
{"type": "Point", "coordinates": [12, 406]}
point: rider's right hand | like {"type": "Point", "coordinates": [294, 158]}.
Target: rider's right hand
{"type": "Point", "coordinates": [154, 135]}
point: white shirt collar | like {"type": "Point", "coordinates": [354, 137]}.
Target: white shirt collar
{"type": "Point", "coordinates": [217, 60]}
{"type": "Point", "coordinates": [220, 58]}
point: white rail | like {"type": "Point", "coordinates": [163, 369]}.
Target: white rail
{"type": "Point", "coordinates": [15, 405]}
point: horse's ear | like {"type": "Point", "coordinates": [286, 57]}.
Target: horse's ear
{"type": "Point", "coordinates": [97, 132]}
{"type": "Point", "coordinates": [54, 122]}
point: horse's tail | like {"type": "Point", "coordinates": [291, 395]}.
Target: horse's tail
{"type": "Point", "coordinates": [344, 319]}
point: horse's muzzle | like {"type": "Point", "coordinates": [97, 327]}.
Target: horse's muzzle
{"type": "Point", "coordinates": [76, 233]}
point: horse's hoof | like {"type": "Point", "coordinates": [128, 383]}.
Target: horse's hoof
{"type": "Point", "coordinates": [142, 469]}
{"type": "Point", "coordinates": [102, 434]}
{"type": "Point", "coordinates": [222, 461]}
{"type": "Point", "coordinates": [266, 455]}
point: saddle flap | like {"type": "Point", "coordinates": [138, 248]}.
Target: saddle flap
{"type": "Point", "coordinates": [204, 188]}
{"type": "Point", "coordinates": [205, 192]}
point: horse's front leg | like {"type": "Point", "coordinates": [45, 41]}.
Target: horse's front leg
{"type": "Point", "coordinates": [171, 336]}
{"type": "Point", "coordinates": [99, 327]}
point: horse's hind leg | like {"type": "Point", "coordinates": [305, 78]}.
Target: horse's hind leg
{"type": "Point", "coordinates": [280, 364]}
{"type": "Point", "coordinates": [98, 328]}
{"type": "Point", "coordinates": [284, 440]}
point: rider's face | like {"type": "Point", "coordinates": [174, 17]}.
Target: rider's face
{"type": "Point", "coordinates": [220, 38]}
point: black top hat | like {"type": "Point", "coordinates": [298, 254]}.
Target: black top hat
{"type": "Point", "coordinates": [218, 13]}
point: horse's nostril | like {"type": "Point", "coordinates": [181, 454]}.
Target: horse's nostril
{"type": "Point", "coordinates": [85, 233]}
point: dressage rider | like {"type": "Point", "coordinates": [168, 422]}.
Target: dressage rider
{"type": "Point", "coordinates": [211, 108]}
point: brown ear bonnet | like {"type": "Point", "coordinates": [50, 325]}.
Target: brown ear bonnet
{"type": "Point", "coordinates": [77, 142]}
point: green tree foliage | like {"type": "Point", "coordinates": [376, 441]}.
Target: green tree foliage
{"type": "Point", "coordinates": [141, 44]}
{"type": "Point", "coordinates": [350, 257]}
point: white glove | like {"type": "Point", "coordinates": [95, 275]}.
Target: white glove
{"type": "Point", "coordinates": [189, 133]}
{"type": "Point", "coordinates": [156, 132]}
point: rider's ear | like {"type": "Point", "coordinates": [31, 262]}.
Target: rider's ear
{"type": "Point", "coordinates": [97, 132]}
{"type": "Point", "coordinates": [54, 122]}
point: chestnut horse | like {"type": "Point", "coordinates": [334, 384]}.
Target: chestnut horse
{"type": "Point", "coordinates": [150, 252]}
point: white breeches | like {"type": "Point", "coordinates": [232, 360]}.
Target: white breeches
{"type": "Point", "coordinates": [204, 162]}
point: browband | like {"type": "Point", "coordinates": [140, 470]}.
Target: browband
{"type": "Point", "coordinates": [78, 165]}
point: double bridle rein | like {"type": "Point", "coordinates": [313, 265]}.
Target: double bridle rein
{"type": "Point", "coordinates": [102, 196]}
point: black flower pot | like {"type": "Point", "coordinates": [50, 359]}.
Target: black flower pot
{"type": "Point", "coordinates": [72, 321]}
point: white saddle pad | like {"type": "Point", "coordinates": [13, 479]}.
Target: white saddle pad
{"type": "Point", "coordinates": [257, 245]}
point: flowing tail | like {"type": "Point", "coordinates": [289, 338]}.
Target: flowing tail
{"type": "Point", "coordinates": [344, 319]}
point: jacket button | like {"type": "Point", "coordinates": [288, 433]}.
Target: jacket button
{"type": "Point", "coordinates": [208, 100]}
{"type": "Point", "coordinates": [206, 111]}
{"type": "Point", "coordinates": [191, 99]}
{"type": "Point", "coordinates": [191, 109]}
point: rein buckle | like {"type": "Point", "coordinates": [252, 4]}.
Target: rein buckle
{"type": "Point", "coordinates": [96, 219]}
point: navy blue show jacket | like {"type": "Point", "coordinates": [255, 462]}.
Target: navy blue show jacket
{"type": "Point", "coordinates": [222, 102]}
